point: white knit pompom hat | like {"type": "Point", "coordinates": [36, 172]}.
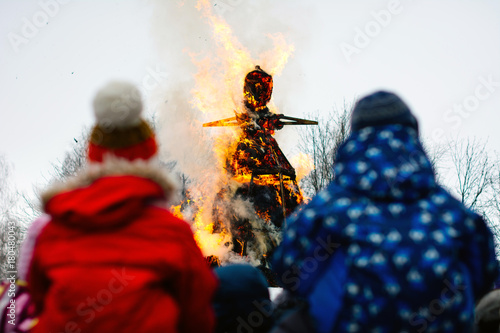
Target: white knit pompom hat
{"type": "Point", "coordinates": [120, 129]}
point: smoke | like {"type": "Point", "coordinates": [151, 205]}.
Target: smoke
{"type": "Point", "coordinates": [205, 72]}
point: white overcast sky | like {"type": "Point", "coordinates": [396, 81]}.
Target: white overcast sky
{"type": "Point", "coordinates": [436, 54]}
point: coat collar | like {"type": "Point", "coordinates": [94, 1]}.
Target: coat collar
{"type": "Point", "coordinates": [112, 167]}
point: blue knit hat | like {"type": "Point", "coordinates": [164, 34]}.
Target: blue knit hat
{"type": "Point", "coordinates": [381, 108]}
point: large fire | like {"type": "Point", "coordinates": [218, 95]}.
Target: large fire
{"type": "Point", "coordinates": [255, 161]}
{"type": "Point", "coordinates": [248, 205]}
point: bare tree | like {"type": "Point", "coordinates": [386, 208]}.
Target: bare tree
{"type": "Point", "coordinates": [321, 144]}
{"type": "Point", "coordinates": [496, 188]}
{"type": "Point", "coordinates": [474, 172]}
{"type": "Point", "coordinates": [468, 170]}
{"type": "Point", "coordinates": [73, 160]}
{"type": "Point", "coordinates": [11, 230]}
{"type": "Point", "coordinates": [436, 155]}
{"type": "Point", "coordinates": [495, 205]}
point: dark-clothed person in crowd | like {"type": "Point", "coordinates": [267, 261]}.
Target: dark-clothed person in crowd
{"type": "Point", "coordinates": [108, 256]}
{"type": "Point", "coordinates": [242, 302]}
{"type": "Point", "coordinates": [291, 314]}
{"type": "Point", "coordinates": [384, 248]}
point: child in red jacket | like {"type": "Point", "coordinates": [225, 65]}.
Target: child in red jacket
{"type": "Point", "coordinates": [112, 258]}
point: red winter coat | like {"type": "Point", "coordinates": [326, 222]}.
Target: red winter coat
{"type": "Point", "coordinates": [112, 260]}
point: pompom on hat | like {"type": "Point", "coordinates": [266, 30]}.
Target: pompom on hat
{"type": "Point", "coordinates": [382, 108]}
{"type": "Point", "coordinates": [120, 130]}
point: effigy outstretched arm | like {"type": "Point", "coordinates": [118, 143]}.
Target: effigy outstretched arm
{"type": "Point", "coordinates": [280, 120]}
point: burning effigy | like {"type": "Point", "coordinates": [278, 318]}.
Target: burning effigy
{"type": "Point", "coordinates": [264, 176]}
{"type": "Point", "coordinates": [241, 187]}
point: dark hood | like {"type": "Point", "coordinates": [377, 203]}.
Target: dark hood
{"type": "Point", "coordinates": [384, 162]}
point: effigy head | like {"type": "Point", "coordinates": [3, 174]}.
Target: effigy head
{"type": "Point", "coordinates": [257, 89]}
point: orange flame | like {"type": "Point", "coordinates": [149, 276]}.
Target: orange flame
{"type": "Point", "coordinates": [303, 164]}
{"type": "Point", "coordinates": [176, 211]}
{"type": "Point", "coordinates": [218, 94]}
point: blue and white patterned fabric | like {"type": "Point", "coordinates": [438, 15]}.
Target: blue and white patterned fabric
{"type": "Point", "coordinates": [412, 258]}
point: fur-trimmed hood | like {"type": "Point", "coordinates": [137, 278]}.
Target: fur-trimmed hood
{"type": "Point", "coordinates": [107, 194]}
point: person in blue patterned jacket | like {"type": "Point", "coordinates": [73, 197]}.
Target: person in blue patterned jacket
{"type": "Point", "coordinates": [384, 248]}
